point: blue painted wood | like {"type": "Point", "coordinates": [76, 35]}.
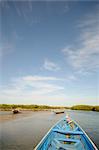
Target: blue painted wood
{"type": "Point", "coordinates": [68, 132]}
{"type": "Point", "coordinates": [66, 136]}
{"type": "Point", "coordinates": [67, 140]}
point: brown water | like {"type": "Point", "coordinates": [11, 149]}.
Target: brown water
{"type": "Point", "coordinates": [23, 131]}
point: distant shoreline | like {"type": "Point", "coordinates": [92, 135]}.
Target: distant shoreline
{"type": "Point", "coordinates": [9, 107]}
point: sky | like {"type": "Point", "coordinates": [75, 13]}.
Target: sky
{"type": "Point", "coordinates": [49, 52]}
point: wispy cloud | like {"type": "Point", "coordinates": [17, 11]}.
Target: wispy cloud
{"type": "Point", "coordinates": [31, 86]}
{"type": "Point", "coordinates": [40, 78]}
{"type": "Point", "coordinates": [84, 56]}
{"type": "Point", "coordinates": [4, 4]}
{"type": "Point", "coordinates": [41, 90]}
{"type": "Point", "coordinates": [17, 8]}
{"type": "Point", "coordinates": [71, 78]}
{"type": "Point", "coordinates": [25, 10]}
{"type": "Point", "coordinates": [32, 89]}
{"type": "Point", "coordinates": [35, 90]}
{"type": "Point", "coordinates": [50, 65]}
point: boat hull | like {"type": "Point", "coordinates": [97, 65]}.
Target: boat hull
{"type": "Point", "coordinates": [60, 112]}
{"type": "Point", "coordinates": [15, 111]}
{"type": "Point", "coordinates": [66, 136]}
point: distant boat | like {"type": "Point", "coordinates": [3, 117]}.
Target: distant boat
{"type": "Point", "coordinates": [66, 136]}
{"type": "Point", "coordinates": [59, 111]}
{"type": "Point", "coordinates": [15, 111]}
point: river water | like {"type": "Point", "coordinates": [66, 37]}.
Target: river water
{"type": "Point", "coordinates": [23, 131]}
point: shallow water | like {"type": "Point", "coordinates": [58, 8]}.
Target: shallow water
{"type": "Point", "coordinates": [23, 131]}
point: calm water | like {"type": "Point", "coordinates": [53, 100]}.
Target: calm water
{"type": "Point", "coordinates": [23, 131]}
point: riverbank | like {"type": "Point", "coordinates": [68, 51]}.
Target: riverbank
{"type": "Point", "coordinates": [85, 107]}
{"type": "Point", "coordinates": [9, 107]}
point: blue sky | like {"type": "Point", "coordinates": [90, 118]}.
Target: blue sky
{"type": "Point", "coordinates": [49, 52]}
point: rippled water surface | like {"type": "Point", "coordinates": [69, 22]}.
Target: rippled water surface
{"type": "Point", "coordinates": [23, 131]}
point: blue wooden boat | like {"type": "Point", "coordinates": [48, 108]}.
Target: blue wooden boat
{"type": "Point", "coordinates": [66, 135]}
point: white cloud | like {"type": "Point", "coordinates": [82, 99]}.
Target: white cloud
{"type": "Point", "coordinates": [72, 78]}
{"type": "Point", "coordinates": [39, 78]}
{"type": "Point", "coordinates": [51, 66]}
{"type": "Point", "coordinates": [43, 90]}
{"type": "Point", "coordinates": [36, 90]}
{"type": "Point", "coordinates": [84, 56]}
{"type": "Point", "coordinates": [31, 86]}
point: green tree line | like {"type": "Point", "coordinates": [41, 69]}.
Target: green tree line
{"type": "Point", "coordinates": [29, 107]}
{"type": "Point", "coordinates": [43, 107]}
{"type": "Point", "coordinates": [85, 107]}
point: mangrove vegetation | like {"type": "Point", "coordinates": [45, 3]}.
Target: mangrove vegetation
{"type": "Point", "coordinates": [46, 107]}
{"type": "Point", "coordinates": [29, 107]}
{"type": "Point", "coordinates": [85, 107]}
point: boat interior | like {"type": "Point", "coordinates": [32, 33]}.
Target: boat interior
{"type": "Point", "coordinates": [66, 136]}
